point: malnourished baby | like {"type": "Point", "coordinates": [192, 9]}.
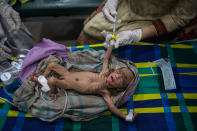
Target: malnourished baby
{"type": "Point", "coordinates": [87, 82]}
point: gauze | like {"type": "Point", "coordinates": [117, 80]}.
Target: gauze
{"type": "Point", "coordinates": [129, 117]}
{"type": "Point", "coordinates": [43, 81]}
{"type": "Point", "coordinates": [168, 77]}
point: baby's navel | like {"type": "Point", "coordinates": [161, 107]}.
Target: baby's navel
{"type": "Point", "coordinates": [76, 79]}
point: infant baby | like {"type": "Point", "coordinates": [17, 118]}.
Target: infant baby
{"type": "Point", "coordinates": [92, 83]}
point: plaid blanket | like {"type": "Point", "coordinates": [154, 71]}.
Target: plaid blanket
{"type": "Point", "coordinates": [68, 103]}
{"type": "Point", "coordinates": [157, 109]}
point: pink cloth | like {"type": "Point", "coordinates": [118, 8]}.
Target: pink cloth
{"type": "Point", "coordinates": [39, 52]}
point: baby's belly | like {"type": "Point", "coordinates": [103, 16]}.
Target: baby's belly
{"type": "Point", "coordinates": [82, 82]}
{"type": "Point", "coordinates": [83, 76]}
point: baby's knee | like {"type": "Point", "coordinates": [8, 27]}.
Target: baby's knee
{"type": "Point", "coordinates": [52, 65]}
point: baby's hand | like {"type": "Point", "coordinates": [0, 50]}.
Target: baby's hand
{"type": "Point", "coordinates": [131, 116]}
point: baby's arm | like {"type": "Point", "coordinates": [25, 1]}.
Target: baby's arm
{"type": "Point", "coordinates": [130, 117]}
{"type": "Point", "coordinates": [106, 59]}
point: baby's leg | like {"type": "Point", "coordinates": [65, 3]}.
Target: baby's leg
{"type": "Point", "coordinates": [54, 82]}
{"type": "Point", "coordinates": [55, 67]}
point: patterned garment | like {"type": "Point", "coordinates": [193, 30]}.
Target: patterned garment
{"type": "Point", "coordinates": [68, 103]}
{"type": "Point", "coordinates": [168, 18]}
{"type": "Point", "coordinates": [157, 109]}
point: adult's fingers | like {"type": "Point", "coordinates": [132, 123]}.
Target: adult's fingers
{"type": "Point", "coordinates": [117, 43]}
{"type": "Point", "coordinates": [113, 12]}
{"type": "Point", "coordinates": [108, 15]}
{"type": "Point", "coordinates": [104, 33]}
{"type": "Point", "coordinates": [107, 35]}
{"type": "Point", "coordinates": [105, 44]}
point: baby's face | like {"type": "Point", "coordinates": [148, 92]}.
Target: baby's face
{"type": "Point", "coordinates": [116, 78]}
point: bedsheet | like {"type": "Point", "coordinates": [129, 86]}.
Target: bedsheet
{"type": "Point", "coordinates": [157, 109]}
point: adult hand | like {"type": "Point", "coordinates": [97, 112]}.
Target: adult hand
{"type": "Point", "coordinates": [108, 36]}
{"type": "Point", "coordinates": [109, 10]}
{"type": "Point", "coordinates": [10, 15]}
{"type": "Point", "coordinates": [123, 38]}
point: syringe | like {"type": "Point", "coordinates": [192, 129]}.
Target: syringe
{"type": "Point", "coordinates": [113, 37]}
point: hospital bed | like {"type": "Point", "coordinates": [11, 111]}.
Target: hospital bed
{"type": "Point", "coordinates": [157, 109]}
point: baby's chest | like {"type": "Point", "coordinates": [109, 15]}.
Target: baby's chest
{"type": "Point", "coordinates": [89, 86]}
{"type": "Point", "coordinates": [84, 77]}
{"type": "Point", "coordinates": [93, 88]}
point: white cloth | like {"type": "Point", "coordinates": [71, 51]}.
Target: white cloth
{"type": "Point", "coordinates": [129, 117]}
{"type": "Point", "coordinates": [109, 10]}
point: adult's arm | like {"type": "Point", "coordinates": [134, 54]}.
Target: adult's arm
{"type": "Point", "coordinates": [184, 12]}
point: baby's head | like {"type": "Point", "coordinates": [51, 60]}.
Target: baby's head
{"type": "Point", "coordinates": [120, 78]}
